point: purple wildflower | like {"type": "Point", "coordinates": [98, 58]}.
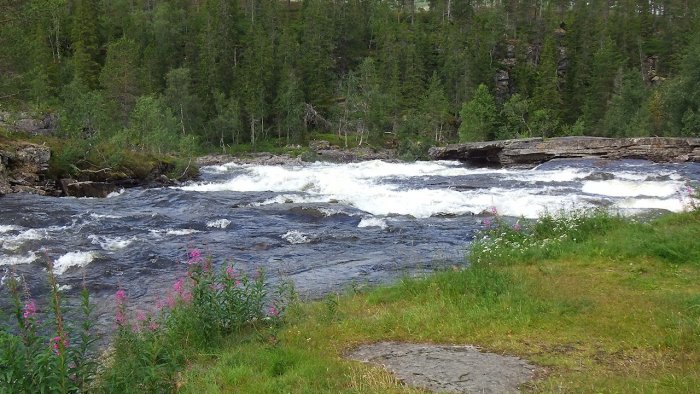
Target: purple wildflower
{"type": "Point", "coordinates": [58, 344]}
{"type": "Point", "coordinates": [178, 286]}
{"type": "Point", "coordinates": [194, 256]}
{"type": "Point", "coordinates": [29, 310]}
{"type": "Point", "coordinates": [121, 296]}
{"type": "Point", "coordinates": [230, 273]}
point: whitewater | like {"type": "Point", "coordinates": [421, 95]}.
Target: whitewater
{"type": "Point", "coordinates": [326, 227]}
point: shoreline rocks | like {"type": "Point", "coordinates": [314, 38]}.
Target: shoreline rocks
{"type": "Point", "coordinates": [534, 151]}
{"type": "Point", "coordinates": [23, 168]}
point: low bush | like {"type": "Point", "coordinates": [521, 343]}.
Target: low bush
{"type": "Point", "coordinates": [203, 308]}
{"type": "Point", "coordinates": [46, 353]}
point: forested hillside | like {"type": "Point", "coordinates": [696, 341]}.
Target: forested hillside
{"type": "Point", "coordinates": [161, 76]}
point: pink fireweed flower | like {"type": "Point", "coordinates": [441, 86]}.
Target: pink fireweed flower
{"type": "Point", "coordinates": [272, 311]}
{"type": "Point", "coordinates": [516, 226]}
{"type": "Point", "coordinates": [29, 310]}
{"type": "Point", "coordinates": [58, 344]}
{"type": "Point", "coordinates": [494, 210]}
{"type": "Point", "coordinates": [140, 316]}
{"type": "Point", "coordinates": [230, 272]}
{"type": "Point", "coordinates": [178, 286]}
{"type": "Point", "coordinates": [153, 325]}
{"type": "Point", "coordinates": [487, 222]}
{"type": "Point", "coordinates": [170, 301]}
{"type": "Point", "coordinates": [121, 296]}
{"type": "Point", "coordinates": [120, 318]}
{"type": "Point", "coordinates": [194, 256]}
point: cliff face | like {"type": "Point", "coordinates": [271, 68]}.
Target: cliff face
{"type": "Point", "coordinates": [533, 151]}
{"type": "Point", "coordinates": [23, 168]}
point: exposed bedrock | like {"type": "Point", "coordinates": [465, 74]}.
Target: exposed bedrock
{"type": "Point", "coordinates": [533, 151]}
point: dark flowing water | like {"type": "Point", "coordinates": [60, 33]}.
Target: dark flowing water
{"type": "Point", "coordinates": [325, 227]}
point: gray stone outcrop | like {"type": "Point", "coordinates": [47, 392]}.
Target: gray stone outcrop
{"type": "Point", "coordinates": [23, 168]}
{"type": "Point", "coordinates": [533, 151]}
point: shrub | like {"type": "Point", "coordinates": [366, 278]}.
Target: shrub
{"type": "Point", "coordinates": [202, 309]}
{"type": "Point", "coordinates": [46, 353]}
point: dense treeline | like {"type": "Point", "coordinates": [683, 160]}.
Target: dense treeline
{"type": "Point", "coordinates": [174, 75]}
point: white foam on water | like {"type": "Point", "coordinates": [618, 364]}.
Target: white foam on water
{"type": "Point", "coordinates": [364, 186]}
{"type": "Point", "coordinates": [373, 222]}
{"type": "Point", "coordinates": [14, 242]}
{"type": "Point", "coordinates": [97, 216]}
{"type": "Point", "coordinates": [669, 204]}
{"type": "Point", "coordinates": [221, 168]}
{"type": "Point", "coordinates": [116, 193]}
{"type": "Point", "coordinates": [560, 175]}
{"type": "Point", "coordinates": [626, 188]}
{"type": "Point", "coordinates": [182, 231]}
{"type": "Point", "coordinates": [219, 223]}
{"type": "Point", "coordinates": [296, 237]}
{"type": "Point", "coordinates": [72, 259]}
{"type": "Point", "coordinates": [15, 260]}
{"type": "Point", "coordinates": [110, 243]}
{"type": "Point", "coordinates": [5, 228]}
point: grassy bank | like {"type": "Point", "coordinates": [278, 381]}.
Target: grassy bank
{"type": "Point", "coordinates": [599, 303]}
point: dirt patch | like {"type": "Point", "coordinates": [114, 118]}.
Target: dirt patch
{"type": "Point", "coordinates": [452, 369]}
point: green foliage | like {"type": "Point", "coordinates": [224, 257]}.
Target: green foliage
{"type": "Point", "coordinates": [152, 128]}
{"type": "Point", "coordinates": [589, 306]}
{"type": "Point", "coordinates": [361, 68]}
{"type": "Point", "coordinates": [85, 113]}
{"type": "Point", "coordinates": [44, 352]}
{"type": "Point", "coordinates": [204, 309]}
{"type": "Point", "coordinates": [478, 116]}
{"type": "Point", "coordinates": [86, 45]}
{"type": "Point", "coordinates": [290, 107]}
{"type": "Point", "coordinates": [587, 234]}
{"type": "Point", "coordinates": [120, 76]}
{"type": "Point", "coordinates": [516, 118]}
{"type": "Point", "coordinates": [627, 114]}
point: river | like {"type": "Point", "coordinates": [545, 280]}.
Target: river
{"type": "Point", "coordinates": [326, 227]}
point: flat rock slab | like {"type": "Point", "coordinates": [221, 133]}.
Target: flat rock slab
{"type": "Point", "coordinates": [452, 369]}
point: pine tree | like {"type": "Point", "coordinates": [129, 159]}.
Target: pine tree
{"type": "Point", "coordinates": [119, 76]}
{"type": "Point", "coordinates": [86, 43]}
{"type": "Point", "coordinates": [436, 108]}
{"type": "Point", "coordinates": [289, 106]}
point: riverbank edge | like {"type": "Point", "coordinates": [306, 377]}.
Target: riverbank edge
{"type": "Point", "coordinates": [29, 164]}
{"type": "Point", "coordinates": [589, 322]}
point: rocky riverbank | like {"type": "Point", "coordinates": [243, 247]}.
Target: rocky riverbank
{"type": "Point", "coordinates": [318, 151]}
{"type": "Point", "coordinates": [533, 151]}
{"type": "Point", "coordinates": [25, 167]}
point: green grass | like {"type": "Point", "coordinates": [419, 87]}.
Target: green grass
{"type": "Point", "coordinates": [615, 310]}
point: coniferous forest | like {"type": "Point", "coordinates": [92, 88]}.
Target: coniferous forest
{"type": "Point", "coordinates": [185, 75]}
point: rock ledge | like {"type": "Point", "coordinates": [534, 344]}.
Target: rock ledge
{"type": "Point", "coordinates": [533, 151]}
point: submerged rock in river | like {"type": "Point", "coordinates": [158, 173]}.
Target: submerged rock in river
{"type": "Point", "coordinates": [533, 151]}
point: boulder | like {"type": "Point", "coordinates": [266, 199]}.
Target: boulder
{"type": "Point", "coordinates": [533, 151]}
{"type": "Point", "coordinates": [73, 188]}
{"type": "Point", "coordinates": [23, 168]}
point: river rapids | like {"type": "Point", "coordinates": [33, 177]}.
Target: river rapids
{"type": "Point", "coordinates": [326, 227]}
